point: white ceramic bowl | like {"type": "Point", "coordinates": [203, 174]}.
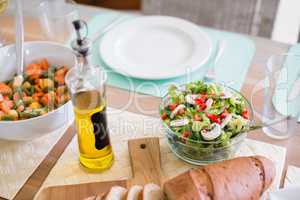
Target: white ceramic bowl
{"type": "Point", "coordinates": [35, 127]}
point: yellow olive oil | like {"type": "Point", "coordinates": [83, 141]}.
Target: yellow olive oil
{"type": "Point", "coordinates": [93, 135]}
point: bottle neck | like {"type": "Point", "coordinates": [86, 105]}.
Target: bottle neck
{"type": "Point", "coordinates": [84, 64]}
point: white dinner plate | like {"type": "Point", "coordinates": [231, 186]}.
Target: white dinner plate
{"type": "Point", "coordinates": [155, 47]}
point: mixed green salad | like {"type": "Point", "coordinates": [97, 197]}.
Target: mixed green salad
{"type": "Point", "coordinates": [205, 112]}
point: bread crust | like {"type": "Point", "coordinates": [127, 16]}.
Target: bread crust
{"type": "Point", "coordinates": [182, 187]}
{"type": "Point", "coordinates": [243, 178]}
{"type": "Point", "coordinates": [269, 170]}
{"type": "Point", "coordinates": [236, 179]}
{"type": "Point", "coordinates": [203, 184]}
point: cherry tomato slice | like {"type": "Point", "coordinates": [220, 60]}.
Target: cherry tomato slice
{"type": "Point", "coordinates": [245, 114]}
{"type": "Point", "coordinates": [213, 118]}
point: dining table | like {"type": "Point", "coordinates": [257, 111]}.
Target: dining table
{"type": "Point", "coordinates": [146, 104]}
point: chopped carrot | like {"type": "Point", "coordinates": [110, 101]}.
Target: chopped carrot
{"type": "Point", "coordinates": [59, 76]}
{"type": "Point", "coordinates": [6, 106]}
{"type": "Point", "coordinates": [62, 99]}
{"type": "Point", "coordinates": [48, 98]}
{"type": "Point", "coordinates": [36, 96]}
{"type": "Point", "coordinates": [37, 81]}
{"type": "Point", "coordinates": [34, 71]}
{"type": "Point", "coordinates": [44, 64]}
{"type": "Point", "coordinates": [5, 89]}
{"type": "Point", "coordinates": [6, 98]}
{"type": "Point", "coordinates": [45, 100]}
{"type": "Point", "coordinates": [58, 100]}
{"type": "Point", "coordinates": [3, 107]}
{"type": "Point", "coordinates": [61, 71]}
{"type": "Point", "coordinates": [60, 79]}
{"type": "Point", "coordinates": [37, 88]}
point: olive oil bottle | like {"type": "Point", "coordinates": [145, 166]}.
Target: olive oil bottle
{"type": "Point", "coordinates": [86, 85]}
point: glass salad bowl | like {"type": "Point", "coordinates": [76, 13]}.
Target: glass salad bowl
{"type": "Point", "coordinates": [195, 149]}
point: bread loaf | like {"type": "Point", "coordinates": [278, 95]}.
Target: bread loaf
{"type": "Point", "coordinates": [243, 178]}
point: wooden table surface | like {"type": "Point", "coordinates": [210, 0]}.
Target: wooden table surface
{"type": "Point", "coordinates": [145, 104]}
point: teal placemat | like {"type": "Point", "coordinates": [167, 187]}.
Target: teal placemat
{"type": "Point", "coordinates": [233, 64]}
{"type": "Point", "coordinates": [288, 82]}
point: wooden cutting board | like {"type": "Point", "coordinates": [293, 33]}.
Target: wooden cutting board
{"type": "Point", "coordinates": [146, 168]}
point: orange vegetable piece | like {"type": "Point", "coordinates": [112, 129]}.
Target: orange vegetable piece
{"type": "Point", "coordinates": [48, 98]}
{"type": "Point", "coordinates": [6, 98]}
{"type": "Point", "coordinates": [62, 71]}
{"type": "Point", "coordinates": [36, 96]}
{"type": "Point", "coordinates": [37, 81]}
{"type": "Point", "coordinates": [44, 64]}
{"type": "Point", "coordinates": [59, 76]}
{"type": "Point", "coordinates": [38, 89]}
{"type": "Point", "coordinates": [5, 89]}
{"type": "Point", "coordinates": [6, 106]}
{"type": "Point", "coordinates": [62, 99]}
{"type": "Point", "coordinates": [60, 79]}
{"type": "Point", "coordinates": [34, 71]}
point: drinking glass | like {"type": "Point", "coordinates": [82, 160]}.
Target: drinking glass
{"type": "Point", "coordinates": [281, 108]}
{"type": "Point", "coordinates": [56, 19]}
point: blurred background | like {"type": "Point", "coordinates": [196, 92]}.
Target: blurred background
{"type": "Point", "coordinates": [278, 20]}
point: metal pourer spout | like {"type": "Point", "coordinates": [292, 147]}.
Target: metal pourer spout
{"type": "Point", "coordinates": [81, 45]}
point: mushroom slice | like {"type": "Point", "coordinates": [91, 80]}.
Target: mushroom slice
{"type": "Point", "coordinates": [179, 122]}
{"type": "Point", "coordinates": [175, 111]}
{"type": "Point", "coordinates": [226, 120]}
{"type": "Point", "coordinates": [209, 103]}
{"type": "Point", "coordinates": [213, 133]}
{"type": "Point", "coordinates": [190, 98]}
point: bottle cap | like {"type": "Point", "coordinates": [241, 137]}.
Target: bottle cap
{"type": "Point", "coordinates": [81, 45]}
